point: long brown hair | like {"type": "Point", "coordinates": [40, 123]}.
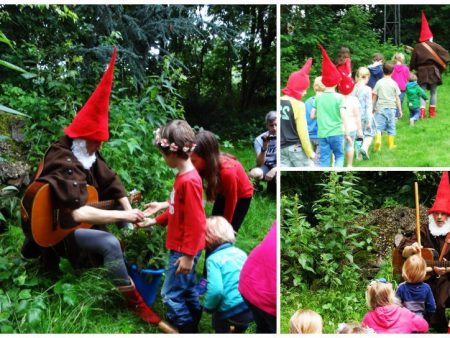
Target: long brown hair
{"type": "Point", "coordinates": [207, 147]}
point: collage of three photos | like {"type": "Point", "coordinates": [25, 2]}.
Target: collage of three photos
{"type": "Point", "coordinates": [146, 150]}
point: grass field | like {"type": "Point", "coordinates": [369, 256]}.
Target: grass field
{"type": "Point", "coordinates": [425, 144]}
{"type": "Point", "coordinates": [98, 308]}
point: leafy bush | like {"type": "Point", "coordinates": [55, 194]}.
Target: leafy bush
{"type": "Point", "coordinates": [325, 253]}
{"type": "Point", "coordinates": [146, 248]}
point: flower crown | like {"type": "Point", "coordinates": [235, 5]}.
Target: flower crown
{"type": "Point", "coordinates": [164, 143]}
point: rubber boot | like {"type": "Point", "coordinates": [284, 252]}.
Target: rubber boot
{"type": "Point", "coordinates": [432, 111]}
{"type": "Point", "coordinates": [136, 303]}
{"type": "Point", "coordinates": [422, 113]}
{"type": "Point", "coordinates": [364, 151]}
{"type": "Point", "coordinates": [377, 145]}
{"type": "Point", "coordinates": [390, 140]}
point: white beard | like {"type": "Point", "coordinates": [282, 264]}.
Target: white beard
{"type": "Point", "coordinates": [81, 153]}
{"type": "Point", "coordinates": [436, 230]}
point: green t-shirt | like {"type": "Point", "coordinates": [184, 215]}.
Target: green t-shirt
{"type": "Point", "coordinates": [386, 89]}
{"type": "Point", "coordinates": [328, 110]}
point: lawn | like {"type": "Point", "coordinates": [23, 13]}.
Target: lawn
{"type": "Point", "coordinates": [425, 144]}
{"type": "Point", "coordinates": [87, 302]}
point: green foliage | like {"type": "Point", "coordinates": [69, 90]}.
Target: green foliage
{"type": "Point", "coordinates": [320, 253]}
{"type": "Point", "coordinates": [146, 248]}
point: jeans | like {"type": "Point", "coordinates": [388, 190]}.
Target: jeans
{"type": "Point", "coordinates": [414, 114]}
{"type": "Point", "coordinates": [178, 292]}
{"type": "Point", "coordinates": [385, 120]}
{"type": "Point", "coordinates": [402, 96]}
{"type": "Point", "coordinates": [329, 145]}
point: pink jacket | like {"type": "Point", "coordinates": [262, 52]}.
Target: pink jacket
{"type": "Point", "coordinates": [400, 75]}
{"type": "Point", "coordinates": [258, 278]}
{"type": "Point", "coordinates": [394, 319]}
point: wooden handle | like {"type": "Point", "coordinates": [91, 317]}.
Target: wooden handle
{"type": "Point", "coordinates": [416, 195]}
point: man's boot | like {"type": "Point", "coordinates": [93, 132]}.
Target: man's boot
{"type": "Point", "coordinates": [422, 113]}
{"type": "Point", "coordinates": [390, 140]}
{"type": "Point", "coordinates": [377, 145]}
{"type": "Point", "coordinates": [136, 303]}
{"type": "Point", "coordinates": [432, 111]}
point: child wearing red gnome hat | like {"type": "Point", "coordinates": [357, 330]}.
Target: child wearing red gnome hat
{"type": "Point", "coordinates": [430, 60]}
{"type": "Point", "coordinates": [329, 109]}
{"type": "Point", "coordinates": [296, 149]}
{"type": "Point", "coordinates": [353, 114]}
{"type": "Point", "coordinates": [71, 165]}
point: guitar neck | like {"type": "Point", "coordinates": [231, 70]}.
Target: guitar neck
{"type": "Point", "coordinates": [106, 205]}
{"type": "Point", "coordinates": [439, 264]}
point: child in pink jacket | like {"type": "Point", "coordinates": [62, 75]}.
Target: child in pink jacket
{"type": "Point", "coordinates": [400, 75]}
{"type": "Point", "coordinates": [386, 315]}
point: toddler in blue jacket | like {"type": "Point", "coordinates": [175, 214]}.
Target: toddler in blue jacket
{"type": "Point", "coordinates": [230, 313]}
{"type": "Point", "coordinates": [416, 295]}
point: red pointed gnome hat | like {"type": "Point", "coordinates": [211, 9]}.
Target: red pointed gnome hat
{"type": "Point", "coordinates": [442, 201]}
{"type": "Point", "coordinates": [91, 122]}
{"type": "Point", "coordinates": [298, 82]}
{"type": "Point", "coordinates": [330, 75]}
{"type": "Point", "coordinates": [345, 87]}
{"type": "Point", "coordinates": [425, 32]}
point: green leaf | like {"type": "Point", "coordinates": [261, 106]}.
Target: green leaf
{"type": "Point", "coordinates": [34, 315]}
{"type": "Point", "coordinates": [5, 40]}
{"type": "Point", "coordinates": [25, 294]}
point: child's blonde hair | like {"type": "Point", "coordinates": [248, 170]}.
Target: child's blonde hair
{"type": "Point", "coordinates": [218, 231]}
{"type": "Point", "coordinates": [399, 57]}
{"type": "Point", "coordinates": [380, 293]}
{"type": "Point", "coordinates": [414, 269]}
{"type": "Point", "coordinates": [353, 328]}
{"type": "Point", "coordinates": [176, 137]}
{"type": "Point", "coordinates": [318, 85]}
{"type": "Point", "coordinates": [412, 77]}
{"type": "Point", "coordinates": [362, 74]}
{"type": "Point", "coordinates": [305, 321]}
{"type": "Point", "coordinates": [378, 57]}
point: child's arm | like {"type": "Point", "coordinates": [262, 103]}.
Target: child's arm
{"type": "Point", "coordinates": [399, 106]}
{"type": "Point", "coordinates": [153, 207]}
{"type": "Point", "coordinates": [302, 127]}
{"type": "Point", "coordinates": [357, 115]}
{"type": "Point", "coordinates": [214, 289]}
{"type": "Point", "coordinates": [185, 264]}
{"type": "Point", "coordinates": [374, 100]}
{"type": "Point", "coordinates": [313, 113]}
{"type": "Point", "coordinates": [422, 93]}
{"type": "Point", "coordinates": [430, 304]}
{"type": "Point", "coordinates": [345, 124]}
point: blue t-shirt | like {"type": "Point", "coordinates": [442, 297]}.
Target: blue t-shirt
{"type": "Point", "coordinates": [312, 123]}
{"type": "Point", "coordinates": [417, 298]}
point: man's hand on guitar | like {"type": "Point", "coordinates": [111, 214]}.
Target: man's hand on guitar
{"type": "Point", "coordinates": [153, 207]}
{"type": "Point", "coordinates": [147, 222]}
{"type": "Point", "coordinates": [440, 271]}
{"type": "Point", "coordinates": [133, 216]}
{"type": "Point", "coordinates": [411, 250]}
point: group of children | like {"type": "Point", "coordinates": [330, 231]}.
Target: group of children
{"type": "Point", "coordinates": [189, 232]}
{"type": "Point", "coordinates": [407, 310]}
{"type": "Point", "coordinates": [346, 122]}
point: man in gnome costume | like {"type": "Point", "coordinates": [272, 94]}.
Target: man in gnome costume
{"type": "Point", "coordinates": [430, 60]}
{"type": "Point", "coordinates": [329, 109]}
{"type": "Point", "coordinates": [436, 235]}
{"type": "Point", "coordinates": [296, 149]}
{"type": "Point", "coordinates": [69, 166]}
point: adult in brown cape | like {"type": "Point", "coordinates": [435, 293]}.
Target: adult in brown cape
{"type": "Point", "coordinates": [430, 60]}
{"type": "Point", "coordinates": [71, 164]}
{"type": "Point", "coordinates": [433, 236]}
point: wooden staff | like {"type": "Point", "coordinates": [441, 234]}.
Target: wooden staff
{"type": "Point", "coordinates": [416, 193]}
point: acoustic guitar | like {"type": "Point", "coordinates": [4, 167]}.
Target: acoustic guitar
{"type": "Point", "coordinates": [38, 210]}
{"type": "Point", "coordinates": [429, 255]}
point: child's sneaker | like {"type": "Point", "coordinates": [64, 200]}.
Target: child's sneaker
{"type": "Point", "coordinates": [364, 154]}
{"type": "Point", "coordinates": [201, 286]}
{"type": "Point", "coordinates": [411, 122]}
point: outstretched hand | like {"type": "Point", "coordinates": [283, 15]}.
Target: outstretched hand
{"type": "Point", "coordinates": [153, 207]}
{"type": "Point", "coordinates": [147, 222]}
